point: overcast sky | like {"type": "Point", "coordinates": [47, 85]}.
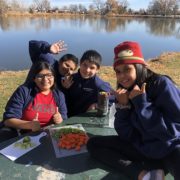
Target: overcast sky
{"type": "Point", "coordinates": [133, 4]}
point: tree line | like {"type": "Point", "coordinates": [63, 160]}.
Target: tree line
{"type": "Point", "coordinates": [108, 7]}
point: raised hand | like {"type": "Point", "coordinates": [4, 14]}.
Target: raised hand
{"type": "Point", "coordinates": [57, 117]}
{"type": "Point", "coordinates": [35, 124]}
{"type": "Point", "coordinates": [137, 91]}
{"type": "Point", "coordinates": [58, 47]}
{"type": "Point", "coordinates": [67, 82]}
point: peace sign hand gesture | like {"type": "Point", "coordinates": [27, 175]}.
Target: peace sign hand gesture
{"type": "Point", "coordinates": [67, 81]}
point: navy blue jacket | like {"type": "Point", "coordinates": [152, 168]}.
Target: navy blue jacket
{"type": "Point", "coordinates": [152, 124]}
{"type": "Point", "coordinates": [83, 93]}
{"type": "Point", "coordinates": [40, 51]}
{"type": "Point", "coordinates": [25, 94]}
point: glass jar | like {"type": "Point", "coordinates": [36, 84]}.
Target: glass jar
{"type": "Point", "coordinates": [103, 103]}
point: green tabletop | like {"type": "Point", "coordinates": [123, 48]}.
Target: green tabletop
{"type": "Point", "coordinates": [89, 119]}
{"type": "Point", "coordinates": [41, 163]}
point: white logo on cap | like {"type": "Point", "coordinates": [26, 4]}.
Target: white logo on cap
{"type": "Point", "coordinates": [127, 53]}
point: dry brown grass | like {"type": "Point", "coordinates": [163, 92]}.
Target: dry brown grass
{"type": "Point", "coordinates": [169, 64]}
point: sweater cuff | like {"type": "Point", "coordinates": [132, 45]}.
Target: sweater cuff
{"type": "Point", "coordinates": [139, 100]}
{"type": "Point", "coordinates": [121, 106]}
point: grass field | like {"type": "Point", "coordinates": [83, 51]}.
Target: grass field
{"type": "Point", "coordinates": [167, 63]}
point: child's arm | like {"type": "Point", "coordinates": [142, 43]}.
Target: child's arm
{"type": "Point", "coordinates": [122, 123]}
{"type": "Point", "coordinates": [33, 125]}
{"type": "Point", "coordinates": [105, 86]}
{"type": "Point", "coordinates": [16, 104]}
{"type": "Point", "coordinates": [12, 116]}
{"type": "Point", "coordinates": [42, 50]}
{"type": "Point", "coordinates": [160, 114]}
{"type": "Point", "coordinates": [38, 50]}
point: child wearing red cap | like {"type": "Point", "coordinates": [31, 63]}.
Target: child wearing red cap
{"type": "Point", "coordinates": [147, 120]}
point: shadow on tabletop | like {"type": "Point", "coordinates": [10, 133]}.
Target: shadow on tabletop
{"type": "Point", "coordinates": [44, 156]}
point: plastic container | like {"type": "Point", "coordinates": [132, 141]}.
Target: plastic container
{"type": "Point", "coordinates": [112, 112]}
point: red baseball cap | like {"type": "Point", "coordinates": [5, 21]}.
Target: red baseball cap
{"type": "Point", "coordinates": [128, 52]}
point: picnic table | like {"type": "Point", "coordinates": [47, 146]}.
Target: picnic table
{"type": "Point", "coordinates": [41, 162]}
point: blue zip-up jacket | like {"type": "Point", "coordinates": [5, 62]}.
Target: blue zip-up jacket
{"type": "Point", "coordinates": [152, 124]}
{"type": "Point", "coordinates": [40, 51]}
{"type": "Point", "coordinates": [25, 94]}
{"type": "Point", "coordinates": [83, 93]}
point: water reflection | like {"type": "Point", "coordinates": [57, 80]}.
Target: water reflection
{"type": "Point", "coordinates": [82, 33]}
{"type": "Point", "coordinates": [40, 23]}
{"type": "Point", "coordinates": [164, 27]}
{"type": "Point", "coordinates": [156, 26]}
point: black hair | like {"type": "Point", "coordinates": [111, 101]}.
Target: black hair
{"type": "Point", "coordinates": [92, 56]}
{"type": "Point", "coordinates": [39, 66]}
{"type": "Point", "coordinates": [142, 73]}
{"type": "Point", "coordinates": [145, 75]}
{"type": "Point", "coordinates": [71, 57]}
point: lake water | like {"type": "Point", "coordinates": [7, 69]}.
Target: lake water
{"type": "Point", "coordinates": [156, 35]}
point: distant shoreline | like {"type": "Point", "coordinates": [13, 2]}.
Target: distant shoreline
{"type": "Point", "coordinates": [54, 14]}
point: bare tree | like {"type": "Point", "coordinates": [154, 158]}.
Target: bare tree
{"type": "Point", "coordinates": [32, 8]}
{"type": "Point", "coordinates": [82, 8]}
{"type": "Point", "coordinates": [123, 6]}
{"type": "Point", "coordinates": [175, 9]}
{"type": "Point", "coordinates": [163, 7]}
{"type": "Point", "coordinates": [3, 7]}
{"type": "Point", "coordinates": [111, 4]}
{"type": "Point", "coordinates": [117, 7]}
{"type": "Point", "coordinates": [64, 8]}
{"type": "Point", "coordinates": [73, 8]}
{"type": "Point", "coordinates": [46, 5]}
{"type": "Point", "coordinates": [17, 5]}
{"type": "Point", "coordinates": [38, 5]}
{"type": "Point", "coordinates": [91, 9]}
{"type": "Point", "coordinates": [42, 5]}
{"type": "Point", "coordinates": [99, 5]}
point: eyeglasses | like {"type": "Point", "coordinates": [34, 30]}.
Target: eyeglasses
{"type": "Point", "coordinates": [42, 76]}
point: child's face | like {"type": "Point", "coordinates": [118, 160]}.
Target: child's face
{"type": "Point", "coordinates": [67, 67]}
{"type": "Point", "coordinates": [126, 75]}
{"type": "Point", "coordinates": [44, 80]}
{"type": "Point", "coordinates": [88, 69]}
